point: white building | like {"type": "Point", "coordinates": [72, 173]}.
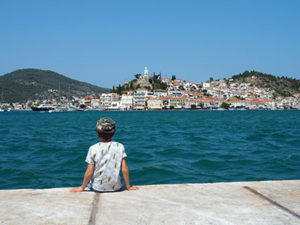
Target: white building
{"type": "Point", "coordinates": [95, 103]}
{"type": "Point", "coordinates": [206, 85]}
{"type": "Point", "coordinates": [115, 105]}
{"type": "Point", "coordinates": [160, 92]}
{"type": "Point", "coordinates": [107, 98]}
{"type": "Point", "coordinates": [126, 102]}
{"type": "Point", "coordinates": [139, 98]}
{"type": "Point", "coordinates": [175, 93]}
{"type": "Point", "coordinates": [154, 103]}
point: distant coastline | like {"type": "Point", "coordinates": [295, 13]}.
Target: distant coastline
{"type": "Point", "coordinates": [247, 91]}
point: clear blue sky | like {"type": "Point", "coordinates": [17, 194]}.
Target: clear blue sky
{"type": "Point", "coordinates": [107, 42]}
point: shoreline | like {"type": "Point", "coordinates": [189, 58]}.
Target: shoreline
{"type": "Point", "coordinates": [152, 110]}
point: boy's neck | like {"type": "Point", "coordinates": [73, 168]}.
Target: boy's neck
{"type": "Point", "coordinates": [105, 140]}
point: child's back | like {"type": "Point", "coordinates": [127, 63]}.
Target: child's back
{"type": "Point", "coordinates": [105, 160]}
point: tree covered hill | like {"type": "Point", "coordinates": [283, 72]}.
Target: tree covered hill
{"type": "Point", "coordinates": [25, 84]}
{"type": "Point", "coordinates": [283, 86]}
{"type": "Point", "coordinates": [148, 82]}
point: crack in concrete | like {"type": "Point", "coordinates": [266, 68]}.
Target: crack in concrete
{"type": "Point", "coordinates": [272, 202]}
{"type": "Point", "coordinates": [92, 220]}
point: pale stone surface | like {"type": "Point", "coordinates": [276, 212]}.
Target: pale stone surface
{"type": "Point", "coordinates": [45, 206]}
{"type": "Point", "coordinates": [217, 203]}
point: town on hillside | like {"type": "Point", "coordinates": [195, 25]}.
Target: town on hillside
{"type": "Point", "coordinates": [147, 92]}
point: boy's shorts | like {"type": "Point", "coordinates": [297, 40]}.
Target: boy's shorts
{"type": "Point", "coordinates": [123, 188]}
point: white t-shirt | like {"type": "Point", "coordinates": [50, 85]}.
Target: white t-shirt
{"type": "Point", "coordinates": [107, 158]}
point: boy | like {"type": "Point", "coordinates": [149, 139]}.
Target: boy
{"type": "Point", "coordinates": [105, 160]}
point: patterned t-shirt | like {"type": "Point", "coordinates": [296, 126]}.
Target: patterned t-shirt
{"type": "Point", "coordinates": [107, 158]}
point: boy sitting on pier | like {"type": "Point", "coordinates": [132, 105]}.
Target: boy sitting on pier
{"type": "Point", "coordinates": [105, 160]}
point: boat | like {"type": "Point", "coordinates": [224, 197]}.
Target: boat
{"type": "Point", "coordinates": [43, 107]}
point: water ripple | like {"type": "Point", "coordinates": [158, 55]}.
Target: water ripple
{"type": "Point", "coordinates": [42, 150]}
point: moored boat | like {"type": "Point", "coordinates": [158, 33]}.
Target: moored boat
{"type": "Point", "coordinates": [43, 107]}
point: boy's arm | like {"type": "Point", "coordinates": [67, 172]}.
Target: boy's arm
{"type": "Point", "coordinates": [125, 172]}
{"type": "Point", "coordinates": [87, 176]}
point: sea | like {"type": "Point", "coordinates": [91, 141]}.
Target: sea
{"type": "Point", "coordinates": [48, 150]}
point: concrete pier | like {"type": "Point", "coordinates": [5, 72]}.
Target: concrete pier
{"type": "Point", "coordinates": [267, 202]}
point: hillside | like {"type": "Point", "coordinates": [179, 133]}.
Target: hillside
{"type": "Point", "coordinates": [148, 82]}
{"type": "Point", "coordinates": [25, 84]}
{"type": "Point", "coordinates": [283, 86]}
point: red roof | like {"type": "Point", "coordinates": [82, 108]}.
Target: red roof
{"type": "Point", "coordinates": [159, 90]}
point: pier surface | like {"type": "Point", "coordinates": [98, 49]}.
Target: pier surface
{"type": "Point", "coordinates": [266, 202]}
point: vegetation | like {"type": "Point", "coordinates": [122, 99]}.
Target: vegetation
{"type": "Point", "coordinates": [225, 105]}
{"type": "Point", "coordinates": [283, 86]}
{"type": "Point", "coordinates": [201, 105]}
{"type": "Point", "coordinates": [239, 98]}
{"type": "Point", "coordinates": [154, 81]}
{"type": "Point", "coordinates": [25, 84]}
{"type": "Point", "coordinates": [138, 75]}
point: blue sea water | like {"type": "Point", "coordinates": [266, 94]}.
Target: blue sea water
{"type": "Point", "coordinates": [46, 150]}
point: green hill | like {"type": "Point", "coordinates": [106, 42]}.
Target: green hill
{"type": "Point", "coordinates": [25, 84]}
{"type": "Point", "coordinates": [283, 86]}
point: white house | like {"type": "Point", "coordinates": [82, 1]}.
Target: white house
{"type": "Point", "coordinates": [139, 98]}
{"type": "Point", "coordinates": [154, 103]}
{"type": "Point", "coordinates": [126, 102]}
{"type": "Point", "coordinates": [115, 105]}
{"type": "Point", "coordinates": [160, 92]}
{"type": "Point", "coordinates": [107, 98]}
{"type": "Point", "coordinates": [206, 84]}
{"type": "Point", "coordinates": [175, 92]}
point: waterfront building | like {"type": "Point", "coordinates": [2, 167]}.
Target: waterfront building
{"type": "Point", "coordinates": [165, 102]}
{"type": "Point", "coordinates": [206, 103]}
{"type": "Point", "coordinates": [170, 102]}
{"type": "Point", "coordinates": [270, 104]}
{"type": "Point", "coordinates": [17, 106]}
{"type": "Point", "coordinates": [177, 102]}
{"type": "Point", "coordinates": [126, 102]}
{"type": "Point", "coordinates": [95, 103]}
{"type": "Point", "coordinates": [85, 101]}
{"type": "Point", "coordinates": [139, 98]}
{"type": "Point", "coordinates": [289, 103]}
{"type": "Point", "coordinates": [154, 103]}
{"type": "Point", "coordinates": [237, 103]}
{"type": "Point", "coordinates": [257, 104]}
{"type": "Point", "coordinates": [115, 105]}
{"type": "Point", "coordinates": [107, 98]}
{"type": "Point", "coordinates": [189, 104]}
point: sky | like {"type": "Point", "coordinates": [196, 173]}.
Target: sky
{"type": "Point", "coordinates": [106, 42]}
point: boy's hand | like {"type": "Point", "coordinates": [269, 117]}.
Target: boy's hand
{"type": "Point", "coordinates": [132, 188]}
{"type": "Point", "coordinates": [77, 189]}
